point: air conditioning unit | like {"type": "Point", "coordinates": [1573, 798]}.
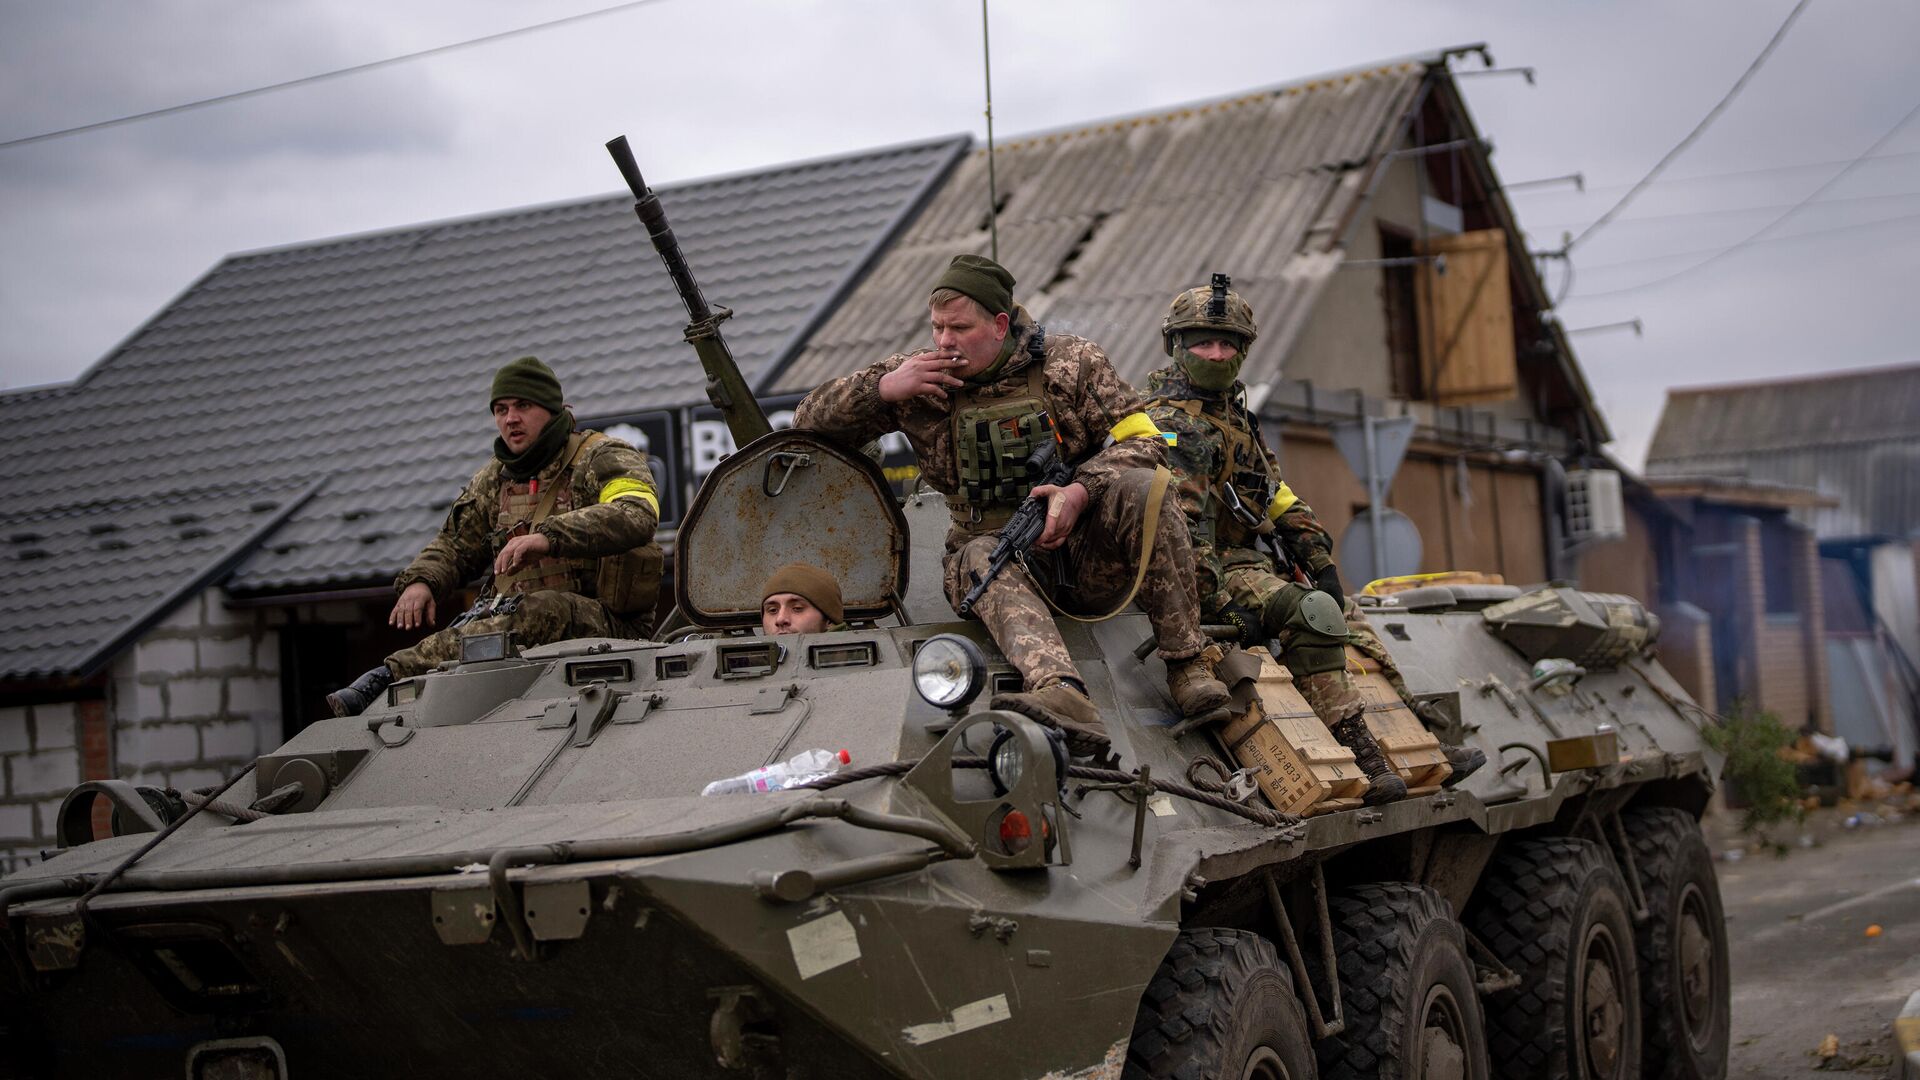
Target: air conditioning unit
{"type": "Point", "coordinates": [1595, 509]}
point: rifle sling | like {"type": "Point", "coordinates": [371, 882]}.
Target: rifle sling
{"type": "Point", "coordinates": [1156, 497]}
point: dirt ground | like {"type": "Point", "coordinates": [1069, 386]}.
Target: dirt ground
{"type": "Point", "coordinates": [1805, 963]}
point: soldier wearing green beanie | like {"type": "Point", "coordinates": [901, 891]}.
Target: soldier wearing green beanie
{"type": "Point", "coordinates": [974, 407]}
{"type": "Point", "coordinates": [560, 524]}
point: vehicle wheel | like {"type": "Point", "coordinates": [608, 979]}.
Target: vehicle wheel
{"type": "Point", "coordinates": [1406, 988]}
{"type": "Point", "coordinates": [1555, 912]}
{"type": "Point", "coordinates": [1221, 1005]}
{"type": "Point", "coordinates": [1685, 1013]}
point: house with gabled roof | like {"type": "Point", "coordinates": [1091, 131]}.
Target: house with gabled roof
{"type": "Point", "coordinates": [283, 437]}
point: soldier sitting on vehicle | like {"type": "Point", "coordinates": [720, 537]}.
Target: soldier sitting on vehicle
{"type": "Point", "coordinates": [561, 521]}
{"type": "Point", "coordinates": [975, 407]}
{"type": "Point", "coordinates": [1230, 487]}
{"type": "Point", "coordinates": [800, 599]}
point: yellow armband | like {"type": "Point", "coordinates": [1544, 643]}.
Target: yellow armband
{"type": "Point", "coordinates": [627, 488]}
{"type": "Point", "coordinates": [1137, 426]}
{"type": "Point", "coordinates": [1283, 501]}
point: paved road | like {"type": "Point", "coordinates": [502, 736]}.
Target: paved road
{"type": "Point", "coordinates": [1803, 966]}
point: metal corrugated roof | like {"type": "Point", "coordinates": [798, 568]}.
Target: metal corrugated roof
{"type": "Point", "coordinates": [364, 361]}
{"type": "Point", "coordinates": [1102, 225]}
{"type": "Point", "coordinates": [1852, 435]}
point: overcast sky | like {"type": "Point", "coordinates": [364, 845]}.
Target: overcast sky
{"type": "Point", "coordinates": [100, 230]}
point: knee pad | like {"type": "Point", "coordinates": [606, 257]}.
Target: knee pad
{"type": "Point", "coordinates": [1307, 615]}
{"type": "Point", "coordinates": [1305, 659]}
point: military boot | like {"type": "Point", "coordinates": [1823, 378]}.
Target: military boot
{"type": "Point", "coordinates": [1061, 706]}
{"type": "Point", "coordinates": [353, 700]}
{"type": "Point", "coordinates": [1383, 784]}
{"type": "Point", "coordinates": [1196, 691]}
{"type": "Point", "coordinates": [1464, 759]}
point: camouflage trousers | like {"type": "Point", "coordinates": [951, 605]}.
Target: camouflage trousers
{"type": "Point", "coordinates": [1251, 583]}
{"type": "Point", "coordinates": [1099, 560]}
{"type": "Point", "coordinates": [543, 617]}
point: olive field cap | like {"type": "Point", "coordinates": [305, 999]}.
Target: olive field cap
{"type": "Point", "coordinates": [982, 279]}
{"type": "Point", "coordinates": [530, 380]}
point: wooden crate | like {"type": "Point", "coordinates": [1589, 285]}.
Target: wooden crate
{"type": "Point", "coordinates": [1412, 750]}
{"type": "Point", "coordinates": [1299, 766]}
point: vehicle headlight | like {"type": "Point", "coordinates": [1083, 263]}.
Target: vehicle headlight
{"type": "Point", "coordinates": [1006, 762]}
{"type": "Point", "coordinates": [949, 671]}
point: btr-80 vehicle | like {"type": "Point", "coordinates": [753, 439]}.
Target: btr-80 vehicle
{"type": "Point", "coordinates": [507, 868]}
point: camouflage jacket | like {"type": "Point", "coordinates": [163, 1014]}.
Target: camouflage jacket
{"type": "Point", "coordinates": [1198, 456]}
{"type": "Point", "coordinates": [1087, 400]}
{"type": "Point", "coordinates": [610, 516]}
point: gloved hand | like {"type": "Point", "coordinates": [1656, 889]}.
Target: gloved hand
{"type": "Point", "coordinates": [1252, 630]}
{"type": "Point", "coordinates": [1328, 581]}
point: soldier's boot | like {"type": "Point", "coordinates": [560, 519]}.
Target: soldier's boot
{"type": "Point", "coordinates": [1464, 759]}
{"type": "Point", "coordinates": [1197, 692]}
{"type": "Point", "coordinates": [1066, 708]}
{"type": "Point", "coordinates": [353, 699]}
{"type": "Point", "coordinates": [1383, 784]}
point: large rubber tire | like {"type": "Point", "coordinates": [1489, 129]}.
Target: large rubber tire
{"type": "Point", "coordinates": [1406, 988]}
{"type": "Point", "coordinates": [1555, 911]}
{"type": "Point", "coordinates": [1684, 989]}
{"type": "Point", "coordinates": [1221, 1005]}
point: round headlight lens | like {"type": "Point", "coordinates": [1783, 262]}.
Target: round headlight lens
{"type": "Point", "coordinates": [1006, 762]}
{"type": "Point", "coordinates": [948, 671]}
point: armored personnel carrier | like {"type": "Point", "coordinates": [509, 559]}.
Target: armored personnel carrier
{"type": "Point", "coordinates": [506, 867]}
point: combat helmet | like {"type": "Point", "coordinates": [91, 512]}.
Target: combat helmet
{"type": "Point", "coordinates": [1214, 307]}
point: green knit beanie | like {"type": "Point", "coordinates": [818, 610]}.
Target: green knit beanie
{"type": "Point", "coordinates": [982, 279]}
{"type": "Point", "coordinates": [530, 380]}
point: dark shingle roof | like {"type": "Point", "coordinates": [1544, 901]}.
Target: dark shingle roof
{"type": "Point", "coordinates": [364, 362]}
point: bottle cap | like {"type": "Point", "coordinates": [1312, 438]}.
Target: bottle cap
{"type": "Point", "coordinates": [845, 758]}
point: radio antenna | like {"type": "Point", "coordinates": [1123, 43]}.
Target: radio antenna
{"type": "Point", "coordinates": [993, 191]}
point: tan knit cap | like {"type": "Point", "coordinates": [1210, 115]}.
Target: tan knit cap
{"type": "Point", "coordinates": [818, 586]}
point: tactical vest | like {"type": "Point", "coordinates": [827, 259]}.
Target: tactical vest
{"type": "Point", "coordinates": [523, 507]}
{"type": "Point", "coordinates": [627, 584]}
{"type": "Point", "coordinates": [992, 439]}
{"type": "Point", "coordinates": [1242, 465]}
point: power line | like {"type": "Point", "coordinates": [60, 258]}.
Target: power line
{"type": "Point", "coordinates": [1704, 177]}
{"type": "Point", "coordinates": [1687, 215]}
{"type": "Point", "coordinates": [1698, 129]}
{"type": "Point", "coordinates": [1876, 223]}
{"type": "Point", "coordinates": [1759, 234]}
{"type": "Point", "coordinates": [322, 77]}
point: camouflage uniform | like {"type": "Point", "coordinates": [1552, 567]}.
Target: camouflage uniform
{"type": "Point", "coordinates": [1086, 400]}
{"type": "Point", "coordinates": [604, 512]}
{"type": "Point", "coordinates": [1233, 572]}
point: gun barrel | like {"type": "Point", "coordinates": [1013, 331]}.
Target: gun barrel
{"type": "Point", "coordinates": [726, 387]}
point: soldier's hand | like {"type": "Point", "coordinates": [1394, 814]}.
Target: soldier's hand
{"type": "Point", "coordinates": [1063, 509]}
{"type": "Point", "coordinates": [926, 373]}
{"type": "Point", "coordinates": [1328, 581]}
{"type": "Point", "coordinates": [414, 609]}
{"type": "Point", "coordinates": [520, 551]}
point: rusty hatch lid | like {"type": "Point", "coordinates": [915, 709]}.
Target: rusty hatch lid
{"type": "Point", "coordinates": [787, 497]}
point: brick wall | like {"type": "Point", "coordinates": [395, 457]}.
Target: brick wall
{"type": "Point", "coordinates": [185, 706]}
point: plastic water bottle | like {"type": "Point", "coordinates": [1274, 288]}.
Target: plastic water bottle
{"type": "Point", "coordinates": [800, 769]}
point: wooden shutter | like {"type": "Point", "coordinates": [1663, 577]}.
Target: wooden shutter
{"type": "Point", "coordinates": [1466, 319]}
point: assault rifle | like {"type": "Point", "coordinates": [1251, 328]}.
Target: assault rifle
{"type": "Point", "coordinates": [1029, 520]}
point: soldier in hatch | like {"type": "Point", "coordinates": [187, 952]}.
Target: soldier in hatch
{"type": "Point", "coordinates": [800, 599]}
{"type": "Point", "coordinates": [1231, 490]}
{"type": "Point", "coordinates": [562, 523]}
{"type": "Point", "coordinates": [973, 407]}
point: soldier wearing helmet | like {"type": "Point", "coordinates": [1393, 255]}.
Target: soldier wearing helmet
{"type": "Point", "coordinates": [975, 407]}
{"type": "Point", "coordinates": [1236, 504]}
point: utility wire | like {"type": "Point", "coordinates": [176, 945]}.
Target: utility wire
{"type": "Point", "coordinates": [1759, 234]}
{"type": "Point", "coordinates": [1700, 177]}
{"type": "Point", "coordinates": [1735, 211]}
{"type": "Point", "coordinates": [1876, 223]}
{"type": "Point", "coordinates": [321, 77]}
{"type": "Point", "coordinates": [1698, 129]}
